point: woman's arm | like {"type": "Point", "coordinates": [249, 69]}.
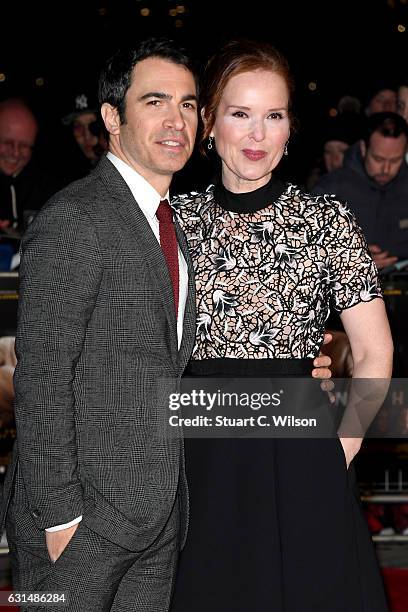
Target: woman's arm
{"type": "Point", "coordinates": [367, 328]}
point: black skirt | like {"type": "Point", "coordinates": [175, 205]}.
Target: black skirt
{"type": "Point", "coordinates": [276, 525]}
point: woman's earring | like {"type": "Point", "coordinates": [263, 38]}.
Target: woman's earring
{"type": "Point", "coordinates": [285, 151]}
{"type": "Point", "coordinates": [210, 143]}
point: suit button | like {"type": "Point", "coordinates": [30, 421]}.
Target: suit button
{"type": "Point", "coordinates": [35, 514]}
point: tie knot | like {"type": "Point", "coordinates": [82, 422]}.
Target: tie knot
{"type": "Point", "coordinates": [164, 212]}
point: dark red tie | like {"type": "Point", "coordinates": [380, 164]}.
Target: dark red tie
{"type": "Point", "coordinates": [168, 243]}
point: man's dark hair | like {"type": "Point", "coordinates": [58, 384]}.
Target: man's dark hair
{"type": "Point", "coordinates": [115, 77]}
{"type": "Point", "coordinates": [388, 124]}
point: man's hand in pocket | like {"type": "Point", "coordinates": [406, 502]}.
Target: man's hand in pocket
{"type": "Point", "coordinates": [57, 541]}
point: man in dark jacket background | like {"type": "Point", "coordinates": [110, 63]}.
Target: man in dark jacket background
{"type": "Point", "coordinates": [374, 181]}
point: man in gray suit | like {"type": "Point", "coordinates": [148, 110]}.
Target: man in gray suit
{"type": "Point", "coordinates": [99, 505]}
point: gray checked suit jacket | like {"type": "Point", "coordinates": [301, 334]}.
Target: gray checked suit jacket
{"type": "Point", "coordinates": [96, 330]}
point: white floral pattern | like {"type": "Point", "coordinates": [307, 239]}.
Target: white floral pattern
{"type": "Point", "coordinates": [265, 280]}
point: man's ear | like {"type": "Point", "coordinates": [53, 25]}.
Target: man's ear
{"type": "Point", "coordinates": [110, 118]}
{"type": "Point", "coordinates": [363, 149]}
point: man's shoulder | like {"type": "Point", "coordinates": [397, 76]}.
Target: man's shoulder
{"type": "Point", "coordinates": [72, 197]}
{"type": "Point", "coordinates": [85, 194]}
{"type": "Point", "coordinates": [81, 204]}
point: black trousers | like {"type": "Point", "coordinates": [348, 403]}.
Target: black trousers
{"type": "Point", "coordinates": [95, 574]}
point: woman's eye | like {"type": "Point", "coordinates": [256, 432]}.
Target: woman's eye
{"type": "Point", "coordinates": [276, 116]}
{"type": "Point", "coordinates": [239, 114]}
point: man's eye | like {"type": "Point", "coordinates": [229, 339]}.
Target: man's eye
{"type": "Point", "coordinates": [189, 105]}
{"type": "Point", "coordinates": [154, 102]}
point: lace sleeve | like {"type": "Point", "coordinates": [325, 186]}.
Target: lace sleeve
{"type": "Point", "coordinates": [353, 274]}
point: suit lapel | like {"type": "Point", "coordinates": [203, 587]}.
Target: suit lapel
{"type": "Point", "coordinates": [146, 241]}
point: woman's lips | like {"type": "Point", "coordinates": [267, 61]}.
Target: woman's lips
{"type": "Point", "coordinates": [254, 155]}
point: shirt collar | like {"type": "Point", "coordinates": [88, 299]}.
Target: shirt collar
{"type": "Point", "coordinates": [145, 195]}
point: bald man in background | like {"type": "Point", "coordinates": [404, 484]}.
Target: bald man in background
{"type": "Point", "coordinates": [24, 185]}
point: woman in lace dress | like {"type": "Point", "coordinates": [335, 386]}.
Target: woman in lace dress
{"type": "Point", "coordinates": [275, 525]}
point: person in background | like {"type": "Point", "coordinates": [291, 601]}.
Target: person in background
{"type": "Point", "coordinates": [24, 184]}
{"type": "Point", "coordinates": [269, 260]}
{"type": "Point", "coordinates": [402, 105]}
{"type": "Point", "coordinates": [349, 104]}
{"type": "Point", "coordinates": [338, 134]}
{"type": "Point", "coordinates": [381, 99]}
{"type": "Point", "coordinates": [402, 100]}
{"type": "Point", "coordinates": [341, 132]}
{"type": "Point", "coordinates": [374, 181]}
{"type": "Point", "coordinates": [88, 134]}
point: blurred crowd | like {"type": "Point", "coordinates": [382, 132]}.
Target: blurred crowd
{"type": "Point", "coordinates": [26, 179]}
{"type": "Point", "coordinates": [362, 158]}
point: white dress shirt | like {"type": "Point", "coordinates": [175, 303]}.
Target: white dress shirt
{"type": "Point", "coordinates": [148, 200]}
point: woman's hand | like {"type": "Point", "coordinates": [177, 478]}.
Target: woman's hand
{"type": "Point", "coordinates": [322, 363]}
{"type": "Point", "coordinates": [322, 370]}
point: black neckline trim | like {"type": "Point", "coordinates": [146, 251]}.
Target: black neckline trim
{"type": "Point", "coordinates": [251, 201]}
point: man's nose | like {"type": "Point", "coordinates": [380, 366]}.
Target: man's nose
{"type": "Point", "coordinates": [88, 136]}
{"type": "Point", "coordinates": [16, 149]}
{"type": "Point", "coordinates": [386, 167]}
{"type": "Point", "coordinates": [174, 119]}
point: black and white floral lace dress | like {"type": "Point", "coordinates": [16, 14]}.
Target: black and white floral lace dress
{"type": "Point", "coordinates": [275, 525]}
{"type": "Point", "coordinates": [266, 278]}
